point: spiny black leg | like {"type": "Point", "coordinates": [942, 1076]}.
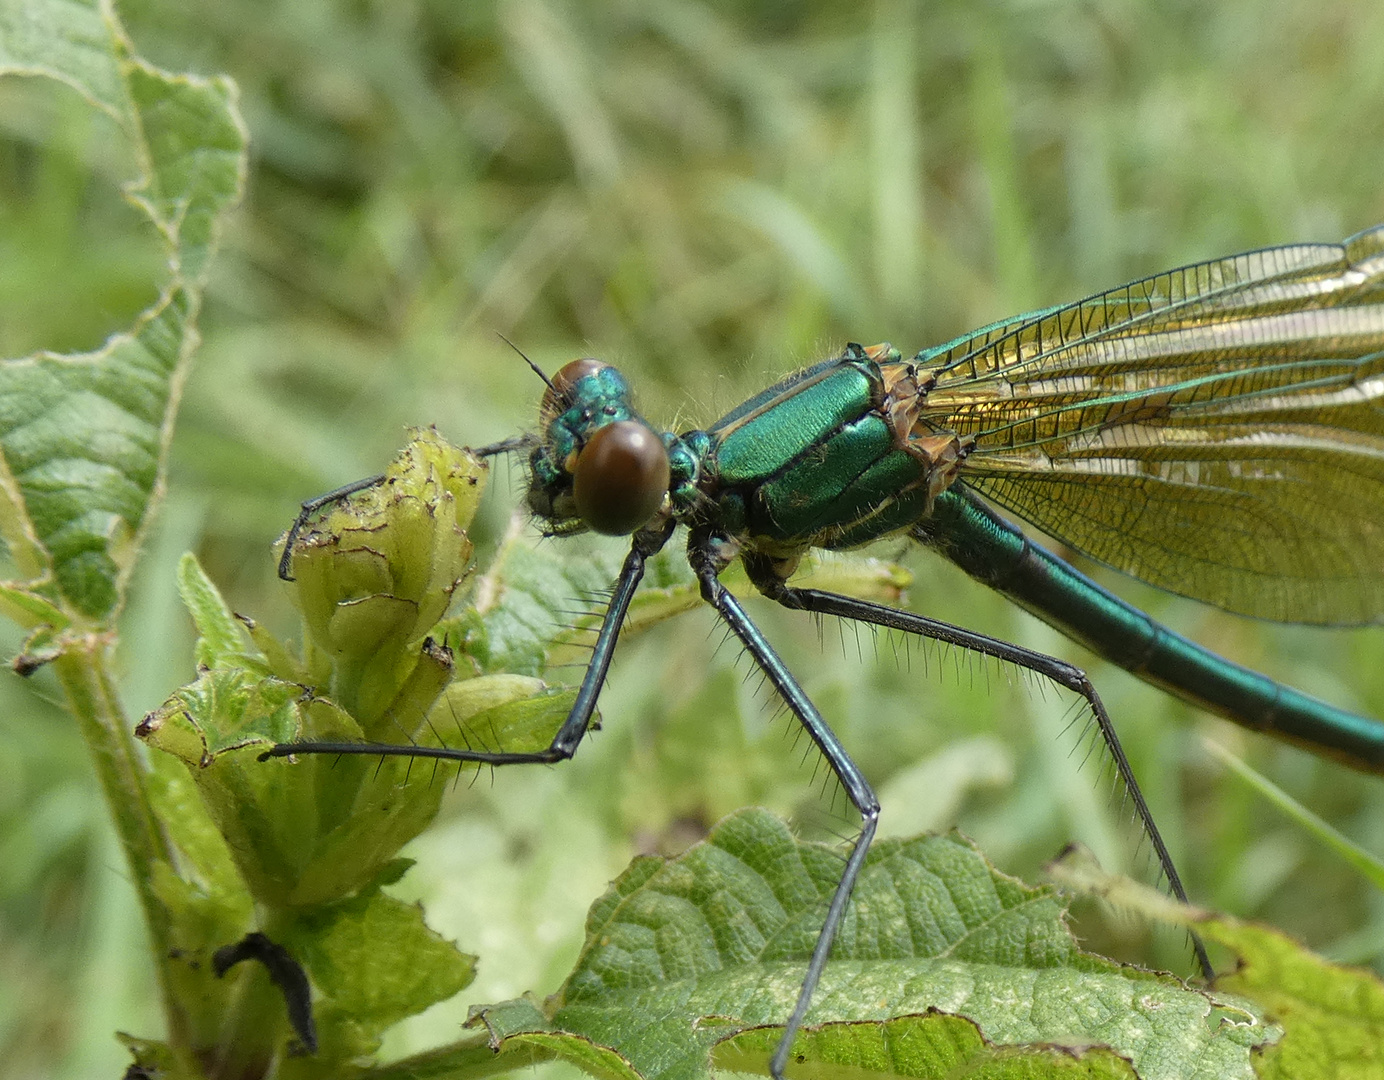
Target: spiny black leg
{"type": "Point", "coordinates": [706, 553]}
{"type": "Point", "coordinates": [565, 742]}
{"type": "Point", "coordinates": [1050, 667]}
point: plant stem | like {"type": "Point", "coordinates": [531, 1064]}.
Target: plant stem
{"type": "Point", "coordinates": [468, 1059]}
{"type": "Point", "coordinates": [83, 671]}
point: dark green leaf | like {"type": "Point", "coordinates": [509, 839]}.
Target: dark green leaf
{"type": "Point", "coordinates": [221, 637]}
{"type": "Point", "coordinates": [683, 955]}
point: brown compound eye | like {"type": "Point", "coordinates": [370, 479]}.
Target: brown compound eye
{"type": "Point", "coordinates": [621, 477]}
{"type": "Point", "coordinates": [557, 397]}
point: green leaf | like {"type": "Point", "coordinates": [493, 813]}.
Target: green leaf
{"type": "Point", "coordinates": [539, 606]}
{"type": "Point", "coordinates": [194, 148]}
{"type": "Point", "coordinates": [930, 1045]}
{"type": "Point", "coordinates": [84, 437]}
{"type": "Point", "coordinates": [519, 1029]}
{"type": "Point", "coordinates": [1332, 1016]}
{"type": "Point", "coordinates": [205, 860]}
{"type": "Point", "coordinates": [226, 709]}
{"type": "Point", "coordinates": [526, 597]}
{"type": "Point", "coordinates": [510, 712]}
{"type": "Point", "coordinates": [288, 827]}
{"type": "Point", "coordinates": [317, 829]}
{"type": "Point", "coordinates": [204, 900]}
{"type": "Point", "coordinates": [220, 637]}
{"type": "Point", "coordinates": [71, 42]}
{"type": "Point", "coordinates": [683, 955]}
{"type": "Point", "coordinates": [375, 961]}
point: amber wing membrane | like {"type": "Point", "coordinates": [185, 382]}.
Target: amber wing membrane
{"type": "Point", "coordinates": [1216, 430]}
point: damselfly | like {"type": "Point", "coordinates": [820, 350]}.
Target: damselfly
{"type": "Point", "coordinates": [1216, 430]}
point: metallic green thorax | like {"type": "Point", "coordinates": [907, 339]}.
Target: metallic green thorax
{"type": "Point", "coordinates": [833, 457]}
{"type": "Point", "coordinates": [827, 458]}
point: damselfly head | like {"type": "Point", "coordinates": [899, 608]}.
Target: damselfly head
{"type": "Point", "coordinates": [599, 466]}
{"type": "Point", "coordinates": [559, 397]}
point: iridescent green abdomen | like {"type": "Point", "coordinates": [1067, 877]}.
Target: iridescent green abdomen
{"type": "Point", "coordinates": [818, 460]}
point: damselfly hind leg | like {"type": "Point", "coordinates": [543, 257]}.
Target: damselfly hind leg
{"type": "Point", "coordinates": [1059, 671]}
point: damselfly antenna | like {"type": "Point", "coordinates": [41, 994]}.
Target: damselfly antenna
{"type": "Point", "coordinates": [536, 369]}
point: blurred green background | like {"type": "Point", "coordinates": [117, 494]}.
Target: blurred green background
{"type": "Point", "coordinates": [708, 194]}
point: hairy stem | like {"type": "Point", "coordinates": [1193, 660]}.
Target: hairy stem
{"type": "Point", "coordinates": [83, 670]}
